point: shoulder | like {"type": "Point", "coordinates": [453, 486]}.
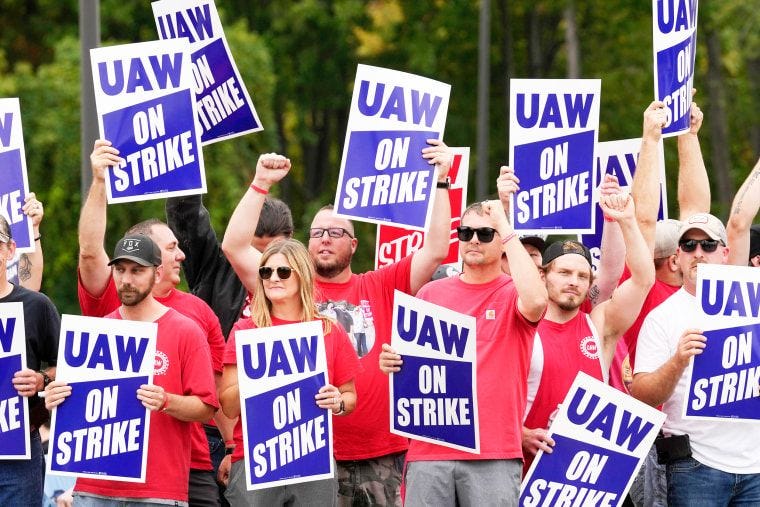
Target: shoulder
{"type": "Point", "coordinates": [31, 299]}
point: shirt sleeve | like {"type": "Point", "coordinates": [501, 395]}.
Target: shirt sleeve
{"type": "Point", "coordinates": [345, 363]}
{"type": "Point", "coordinates": [652, 349]}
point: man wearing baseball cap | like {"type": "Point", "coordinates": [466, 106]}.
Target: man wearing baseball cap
{"type": "Point", "coordinates": [569, 340]}
{"type": "Point", "coordinates": [183, 386]}
{"type": "Point", "coordinates": [707, 463]}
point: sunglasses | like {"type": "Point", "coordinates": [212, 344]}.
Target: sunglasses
{"type": "Point", "coordinates": [333, 232]}
{"type": "Point", "coordinates": [485, 234]}
{"type": "Point", "coordinates": [708, 245]}
{"type": "Point", "coordinates": [283, 272]}
{"type": "Point", "coordinates": [4, 238]}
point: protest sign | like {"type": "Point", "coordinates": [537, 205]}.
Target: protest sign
{"type": "Point", "coordinates": [146, 109]}
{"type": "Point", "coordinates": [14, 185]}
{"type": "Point", "coordinates": [674, 35]}
{"type": "Point", "coordinates": [724, 380]}
{"type": "Point", "coordinates": [224, 108]}
{"type": "Point", "coordinates": [552, 135]}
{"type": "Point", "coordinates": [287, 437]}
{"type": "Point", "coordinates": [14, 408]}
{"type": "Point", "coordinates": [618, 158]}
{"type": "Point", "coordinates": [395, 243]}
{"type": "Point", "coordinates": [601, 438]}
{"type": "Point", "coordinates": [434, 396]}
{"type": "Point", "coordinates": [101, 429]}
{"type": "Point", "coordinates": [383, 177]}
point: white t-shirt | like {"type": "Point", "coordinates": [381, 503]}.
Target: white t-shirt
{"type": "Point", "coordinates": [727, 445]}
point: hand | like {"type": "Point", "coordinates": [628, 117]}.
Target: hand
{"type": "Point", "coordinates": [536, 439]}
{"type": "Point", "coordinates": [153, 397]}
{"type": "Point", "coordinates": [618, 207]}
{"type": "Point", "coordinates": [328, 397]}
{"type": "Point", "coordinates": [655, 118]}
{"type": "Point", "coordinates": [495, 211]}
{"type": "Point", "coordinates": [55, 393]}
{"type": "Point", "coordinates": [270, 169]}
{"type": "Point", "coordinates": [103, 156]}
{"type": "Point", "coordinates": [389, 360]}
{"type": "Point", "coordinates": [65, 499]}
{"type": "Point", "coordinates": [33, 209]}
{"type": "Point", "coordinates": [691, 343]}
{"type": "Point", "coordinates": [223, 474]}
{"type": "Point", "coordinates": [507, 184]}
{"type": "Point", "coordinates": [27, 382]}
{"type": "Point", "coordinates": [695, 117]}
{"type": "Point", "coordinates": [610, 185]}
{"type": "Point", "coordinates": [440, 155]}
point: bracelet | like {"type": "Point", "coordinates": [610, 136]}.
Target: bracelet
{"type": "Point", "coordinates": [229, 443]}
{"type": "Point", "coordinates": [38, 238]}
{"type": "Point", "coordinates": [228, 450]}
{"type": "Point", "coordinates": [258, 189]}
{"type": "Point", "coordinates": [445, 184]}
{"type": "Point", "coordinates": [342, 408]}
{"type": "Point", "coordinates": [510, 236]}
{"type": "Point", "coordinates": [165, 406]}
{"type": "Point", "coordinates": [608, 219]}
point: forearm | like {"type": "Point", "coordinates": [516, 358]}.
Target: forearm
{"type": "Point", "coordinates": [638, 257]}
{"type": "Point", "coordinates": [236, 245]}
{"type": "Point", "coordinates": [743, 211]}
{"type": "Point", "coordinates": [531, 290]}
{"type": "Point", "coordinates": [225, 424]}
{"type": "Point", "coordinates": [229, 399]}
{"type": "Point", "coordinates": [646, 189]}
{"type": "Point", "coordinates": [656, 387]}
{"type": "Point", "coordinates": [693, 183]}
{"type": "Point", "coordinates": [93, 259]}
{"type": "Point", "coordinates": [436, 245]}
{"type": "Point", "coordinates": [187, 408]}
{"type": "Point", "coordinates": [611, 263]}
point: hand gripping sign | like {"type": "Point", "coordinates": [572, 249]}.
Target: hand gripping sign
{"type": "Point", "coordinates": [434, 396]}
{"type": "Point", "coordinates": [287, 437]}
{"type": "Point", "coordinates": [395, 243]}
{"type": "Point", "coordinates": [553, 131]}
{"type": "Point", "coordinates": [14, 408]}
{"type": "Point", "coordinates": [674, 31]}
{"type": "Point", "coordinates": [618, 158]}
{"type": "Point", "coordinates": [146, 108]}
{"type": "Point", "coordinates": [724, 380]}
{"type": "Point", "coordinates": [224, 108]}
{"type": "Point", "coordinates": [14, 185]}
{"type": "Point", "coordinates": [383, 177]}
{"type": "Point", "coordinates": [601, 438]}
{"type": "Point", "coordinates": [101, 429]}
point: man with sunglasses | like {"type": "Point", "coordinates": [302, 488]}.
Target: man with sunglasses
{"type": "Point", "coordinates": [507, 310]}
{"type": "Point", "coordinates": [718, 463]}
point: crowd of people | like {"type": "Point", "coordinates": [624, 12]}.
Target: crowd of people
{"type": "Point", "coordinates": [542, 315]}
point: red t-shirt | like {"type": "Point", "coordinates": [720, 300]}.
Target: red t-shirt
{"type": "Point", "coordinates": [342, 365]}
{"type": "Point", "coordinates": [364, 307]}
{"type": "Point", "coordinates": [188, 305]}
{"type": "Point", "coordinates": [182, 360]}
{"type": "Point", "coordinates": [504, 345]}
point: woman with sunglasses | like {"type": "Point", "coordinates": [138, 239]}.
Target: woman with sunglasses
{"type": "Point", "coordinates": [284, 294]}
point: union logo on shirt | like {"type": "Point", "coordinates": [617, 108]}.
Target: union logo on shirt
{"type": "Point", "coordinates": [589, 348]}
{"type": "Point", "coordinates": [161, 364]}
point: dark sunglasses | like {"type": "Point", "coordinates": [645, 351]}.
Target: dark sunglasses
{"type": "Point", "coordinates": [485, 234]}
{"type": "Point", "coordinates": [4, 238]}
{"type": "Point", "coordinates": [708, 245]}
{"type": "Point", "coordinates": [333, 232]}
{"type": "Point", "coordinates": [283, 272]}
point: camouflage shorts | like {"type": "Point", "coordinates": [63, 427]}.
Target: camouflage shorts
{"type": "Point", "coordinates": [375, 481]}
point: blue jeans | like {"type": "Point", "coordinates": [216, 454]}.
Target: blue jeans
{"type": "Point", "coordinates": [21, 480]}
{"type": "Point", "coordinates": [692, 484]}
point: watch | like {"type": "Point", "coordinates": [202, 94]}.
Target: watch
{"type": "Point", "coordinates": [444, 184]}
{"type": "Point", "coordinates": [342, 408]}
{"type": "Point", "coordinates": [45, 379]}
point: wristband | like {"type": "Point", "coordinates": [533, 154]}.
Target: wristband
{"type": "Point", "coordinates": [258, 189]}
{"type": "Point", "coordinates": [342, 408]}
{"type": "Point", "coordinates": [510, 236]}
{"type": "Point", "coordinates": [165, 406]}
{"type": "Point", "coordinates": [444, 184]}
{"type": "Point", "coordinates": [45, 379]}
{"type": "Point", "coordinates": [608, 219]}
{"type": "Point", "coordinates": [38, 238]}
{"type": "Point", "coordinates": [229, 450]}
{"type": "Point", "coordinates": [229, 443]}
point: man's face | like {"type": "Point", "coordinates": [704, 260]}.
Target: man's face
{"type": "Point", "coordinates": [133, 281]}
{"type": "Point", "coordinates": [688, 261]}
{"type": "Point", "coordinates": [476, 252]}
{"type": "Point", "coordinates": [331, 256]}
{"type": "Point", "coordinates": [568, 279]}
{"type": "Point", "coordinates": [171, 254]}
{"type": "Point", "coordinates": [7, 250]}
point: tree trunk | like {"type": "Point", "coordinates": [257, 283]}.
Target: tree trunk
{"type": "Point", "coordinates": [572, 43]}
{"type": "Point", "coordinates": [753, 75]}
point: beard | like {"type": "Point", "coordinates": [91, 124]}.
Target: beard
{"type": "Point", "coordinates": [335, 267]}
{"type": "Point", "coordinates": [569, 305]}
{"type": "Point", "coordinates": [129, 296]}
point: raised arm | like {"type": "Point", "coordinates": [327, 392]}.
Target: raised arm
{"type": "Point", "coordinates": [93, 259]}
{"type": "Point", "coordinates": [238, 238]}
{"type": "Point", "coordinates": [427, 259]}
{"type": "Point", "coordinates": [615, 316]}
{"type": "Point", "coordinates": [30, 265]}
{"type": "Point", "coordinates": [693, 184]}
{"type": "Point", "coordinates": [189, 219]}
{"type": "Point", "coordinates": [646, 179]}
{"type": "Point", "coordinates": [612, 259]}
{"type": "Point", "coordinates": [507, 184]}
{"type": "Point", "coordinates": [531, 290]}
{"type": "Point", "coordinates": [743, 211]}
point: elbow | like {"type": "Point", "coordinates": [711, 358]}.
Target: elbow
{"type": "Point", "coordinates": [230, 407]}
{"type": "Point", "coordinates": [738, 224]}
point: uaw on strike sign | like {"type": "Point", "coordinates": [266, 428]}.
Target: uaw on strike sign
{"type": "Point", "coordinates": [14, 409]}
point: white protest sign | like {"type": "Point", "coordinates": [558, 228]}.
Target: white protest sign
{"type": "Point", "coordinates": [14, 408]}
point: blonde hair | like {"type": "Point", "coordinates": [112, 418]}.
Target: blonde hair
{"type": "Point", "coordinates": [298, 258]}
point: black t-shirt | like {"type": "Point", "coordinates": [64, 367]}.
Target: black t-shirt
{"type": "Point", "coordinates": [42, 325]}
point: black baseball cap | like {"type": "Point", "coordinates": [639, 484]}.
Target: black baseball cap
{"type": "Point", "coordinates": [560, 248]}
{"type": "Point", "coordinates": [137, 248]}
